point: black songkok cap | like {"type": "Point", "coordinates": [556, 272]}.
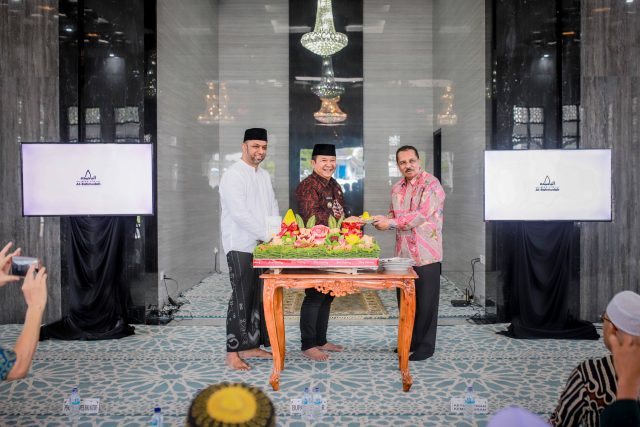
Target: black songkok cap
{"type": "Point", "coordinates": [255, 133]}
{"type": "Point", "coordinates": [324, 150]}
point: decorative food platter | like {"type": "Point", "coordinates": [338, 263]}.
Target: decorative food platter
{"type": "Point", "coordinates": [339, 246]}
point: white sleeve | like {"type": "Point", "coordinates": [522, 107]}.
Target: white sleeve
{"type": "Point", "coordinates": [233, 194]}
{"type": "Point", "coordinates": [275, 211]}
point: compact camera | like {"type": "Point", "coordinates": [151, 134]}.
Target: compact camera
{"type": "Point", "coordinates": [20, 265]}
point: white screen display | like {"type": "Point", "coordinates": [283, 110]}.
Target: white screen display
{"type": "Point", "coordinates": [87, 179]}
{"type": "Point", "coordinates": [547, 185]}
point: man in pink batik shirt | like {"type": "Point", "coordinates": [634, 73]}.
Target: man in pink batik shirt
{"type": "Point", "coordinates": [417, 203]}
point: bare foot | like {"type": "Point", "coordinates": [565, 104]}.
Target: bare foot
{"type": "Point", "coordinates": [257, 353]}
{"type": "Point", "coordinates": [316, 354]}
{"type": "Point", "coordinates": [331, 347]}
{"type": "Point", "coordinates": [234, 361]}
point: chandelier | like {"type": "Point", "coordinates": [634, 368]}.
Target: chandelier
{"type": "Point", "coordinates": [216, 109]}
{"type": "Point", "coordinates": [327, 88]}
{"type": "Point", "coordinates": [330, 113]}
{"type": "Point", "coordinates": [324, 40]}
{"type": "Point", "coordinates": [448, 116]}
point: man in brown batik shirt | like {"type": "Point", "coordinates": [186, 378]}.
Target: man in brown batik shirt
{"type": "Point", "coordinates": [319, 195]}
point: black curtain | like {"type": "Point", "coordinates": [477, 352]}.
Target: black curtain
{"type": "Point", "coordinates": [540, 279]}
{"type": "Point", "coordinates": [99, 296]}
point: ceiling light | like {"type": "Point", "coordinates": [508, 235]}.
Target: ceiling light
{"type": "Point", "coordinates": [327, 88]}
{"type": "Point", "coordinates": [330, 113]}
{"type": "Point", "coordinates": [324, 40]}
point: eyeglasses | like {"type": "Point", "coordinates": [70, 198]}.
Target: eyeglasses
{"type": "Point", "coordinates": [604, 318]}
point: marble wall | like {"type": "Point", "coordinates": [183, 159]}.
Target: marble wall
{"type": "Point", "coordinates": [460, 62]}
{"type": "Point", "coordinates": [398, 96]}
{"type": "Point", "coordinates": [28, 112]}
{"type": "Point", "coordinates": [188, 142]}
{"type": "Point", "coordinates": [254, 67]}
{"type": "Point", "coordinates": [610, 67]}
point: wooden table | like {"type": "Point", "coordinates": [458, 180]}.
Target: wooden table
{"type": "Point", "coordinates": [337, 284]}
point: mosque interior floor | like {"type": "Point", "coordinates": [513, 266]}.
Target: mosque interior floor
{"type": "Point", "coordinates": [167, 365]}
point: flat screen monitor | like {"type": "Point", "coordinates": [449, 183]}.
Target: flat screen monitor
{"type": "Point", "coordinates": [87, 179]}
{"type": "Point", "coordinates": [547, 185]}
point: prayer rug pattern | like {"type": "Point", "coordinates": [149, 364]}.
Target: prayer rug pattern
{"type": "Point", "coordinates": [361, 305]}
{"type": "Point", "coordinates": [210, 298]}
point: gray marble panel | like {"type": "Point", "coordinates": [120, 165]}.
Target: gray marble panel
{"type": "Point", "coordinates": [610, 88]}
{"type": "Point", "coordinates": [28, 112]}
{"type": "Point", "coordinates": [254, 66]}
{"type": "Point", "coordinates": [460, 61]}
{"type": "Point", "coordinates": [398, 95]}
{"type": "Point", "coordinates": [188, 145]}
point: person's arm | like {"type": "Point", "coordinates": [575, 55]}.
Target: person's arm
{"type": "Point", "coordinates": [275, 210]}
{"type": "Point", "coordinates": [625, 411]}
{"type": "Point", "coordinates": [235, 199]}
{"type": "Point", "coordinates": [382, 222]}
{"type": "Point", "coordinates": [570, 403]}
{"type": "Point", "coordinates": [626, 360]}
{"type": "Point", "coordinates": [431, 200]}
{"type": "Point", "coordinates": [35, 294]}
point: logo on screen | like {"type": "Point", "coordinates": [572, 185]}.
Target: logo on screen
{"type": "Point", "coordinates": [88, 179]}
{"type": "Point", "coordinates": [547, 185]}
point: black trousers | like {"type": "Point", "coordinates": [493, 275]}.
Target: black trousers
{"type": "Point", "coordinates": [246, 328]}
{"type": "Point", "coordinates": [314, 318]}
{"type": "Point", "coordinates": [425, 325]}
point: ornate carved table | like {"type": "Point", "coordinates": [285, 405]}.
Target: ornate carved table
{"type": "Point", "coordinates": [338, 284]}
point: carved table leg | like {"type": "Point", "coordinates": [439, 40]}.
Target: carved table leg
{"type": "Point", "coordinates": [279, 317]}
{"type": "Point", "coordinates": [270, 320]}
{"type": "Point", "coordinates": [405, 330]}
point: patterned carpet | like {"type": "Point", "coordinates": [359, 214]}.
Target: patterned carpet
{"type": "Point", "coordinates": [209, 299]}
{"type": "Point", "coordinates": [361, 305]}
{"type": "Point", "coordinates": [166, 366]}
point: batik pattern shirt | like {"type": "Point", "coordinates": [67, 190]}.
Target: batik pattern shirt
{"type": "Point", "coordinates": [417, 212]}
{"type": "Point", "coordinates": [590, 388]}
{"type": "Point", "coordinates": [7, 360]}
{"type": "Point", "coordinates": [320, 197]}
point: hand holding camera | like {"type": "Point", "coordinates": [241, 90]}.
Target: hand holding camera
{"type": "Point", "coordinates": [34, 289]}
{"type": "Point", "coordinates": [6, 275]}
{"type": "Point", "coordinates": [13, 266]}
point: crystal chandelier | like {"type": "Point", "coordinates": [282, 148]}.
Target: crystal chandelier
{"type": "Point", "coordinates": [330, 113]}
{"type": "Point", "coordinates": [216, 111]}
{"type": "Point", "coordinates": [447, 117]}
{"type": "Point", "coordinates": [327, 88]}
{"type": "Point", "coordinates": [324, 40]}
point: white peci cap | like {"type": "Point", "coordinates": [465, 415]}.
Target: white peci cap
{"type": "Point", "coordinates": [624, 312]}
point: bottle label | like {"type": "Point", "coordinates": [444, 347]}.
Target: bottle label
{"type": "Point", "coordinates": [87, 406]}
{"type": "Point", "coordinates": [457, 406]}
{"type": "Point", "coordinates": [296, 406]}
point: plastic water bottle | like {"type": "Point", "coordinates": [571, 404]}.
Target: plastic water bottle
{"type": "Point", "coordinates": [157, 419]}
{"type": "Point", "coordinates": [317, 403]}
{"type": "Point", "coordinates": [469, 402]}
{"type": "Point", "coordinates": [74, 405]}
{"type": "Point", "coordinates": [307, 410]}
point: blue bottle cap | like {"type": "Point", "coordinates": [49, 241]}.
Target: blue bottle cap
{"type": "Point", "coordinates": [156, 410]}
